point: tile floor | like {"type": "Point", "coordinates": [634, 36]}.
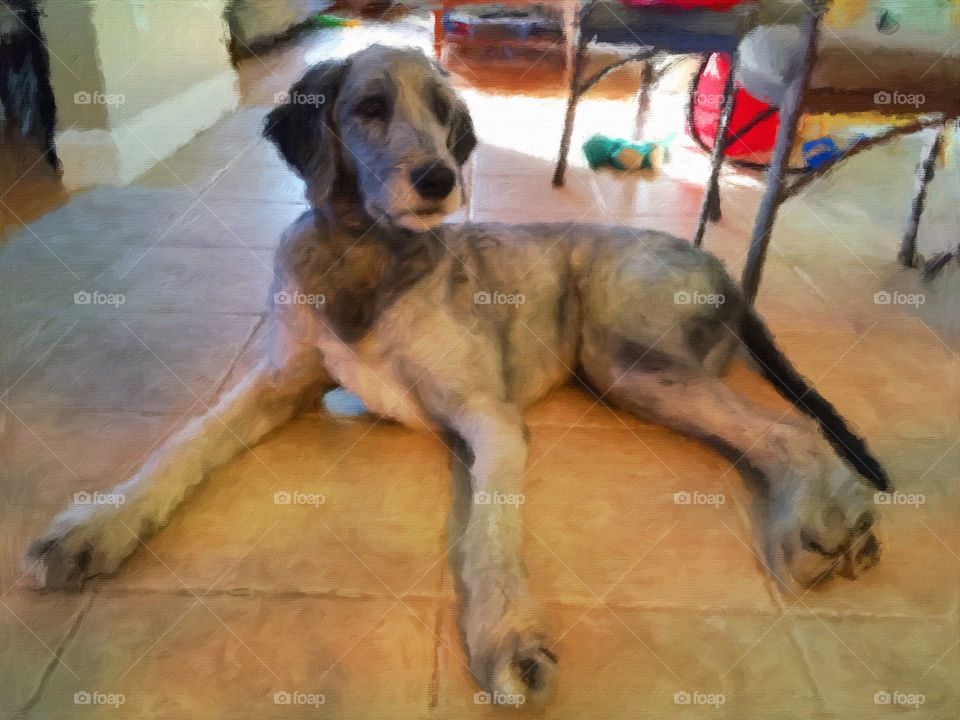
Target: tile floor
{"type": "Point", "coordinates": [662, 609]}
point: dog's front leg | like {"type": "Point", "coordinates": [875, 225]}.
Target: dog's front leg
{"type": "Point", "coordinates": [90, 539]}
{"type": "Point", "coordinates": [503, 627]}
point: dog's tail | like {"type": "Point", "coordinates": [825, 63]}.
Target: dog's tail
{"type": "Point", "coordinates": [776, 368]}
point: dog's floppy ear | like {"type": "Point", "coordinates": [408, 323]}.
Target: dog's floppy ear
{"type": "Point", "coordinates": [302, 127]}
{"type": "Point", "coordinates": [461, 139]}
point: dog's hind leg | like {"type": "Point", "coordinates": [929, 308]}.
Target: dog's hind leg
{"type": "Point", "coordinates": [92, 539]}
{"type": "Point", "coordinates": [816, 514]}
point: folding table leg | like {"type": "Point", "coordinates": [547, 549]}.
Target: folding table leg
{"type": "Point", "coordinates": [647, 81]}
{"type": "Point", "coordinates": [790, 111]}
{"type": "Point", "coordinates": [925, 172]}
{"type": "Point", "coordinates": [576, 46]}
{"type": "Point", "coordinates": [710, 205]}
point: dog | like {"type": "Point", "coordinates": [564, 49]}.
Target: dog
{"type": "Point", "coordinates": [372, 293]}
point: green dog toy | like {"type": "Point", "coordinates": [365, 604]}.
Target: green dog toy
{"type": "Point", "coordinates": [602, 151]}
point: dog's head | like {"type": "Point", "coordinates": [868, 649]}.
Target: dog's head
{"type": "Point", "coordinates": [383, 129]}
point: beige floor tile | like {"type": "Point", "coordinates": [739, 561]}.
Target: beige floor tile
{"type": "Point", "coordinates": [52, 455]}
{"type": "Point", "coordinates": [243, 182]}
{"type": "Point", "coordinates": [525, 196]}
{"type": "Point", "coordinates": [875, 667]}
{"type": "Point", "coordinates": [636, 518]}
{"type": "Point", "coordinates": [233, 224]}
{"type": "Point", "coordinates": [366, 516]}
{"type": "Point", "coordinates": [71, 248]}
{"type": "Point", "coordinates": [160, 364]}
{"type": "Point", "coordinates": [233, 657]}
{"type": "Point", "coordinates": [635, 664]}
{"type": "Point", "coordinates": [231, 281]}
{"type": "Point", "coordinates": [33, 629]}
{"type": "Point", "coordinates": [233, 141]}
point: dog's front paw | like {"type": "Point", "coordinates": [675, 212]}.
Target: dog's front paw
{"type": "Point", "coordinates": [820, 522]}
{"type": "Point", "coordinates": [511, 651]}
{"type": "Point", "coordinates": [78, 546]}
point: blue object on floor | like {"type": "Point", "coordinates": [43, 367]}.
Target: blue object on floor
{"type": "Point", "coordinates": [820, 151]}
{"type": "Point", "coordinates": [343, 403]}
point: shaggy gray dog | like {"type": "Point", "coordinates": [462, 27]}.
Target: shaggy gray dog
{"type": "Point", "coordinates": [457, 328]}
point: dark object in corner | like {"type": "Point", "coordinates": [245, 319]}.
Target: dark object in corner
{"type": "Point", "coordinates": [27, 108]}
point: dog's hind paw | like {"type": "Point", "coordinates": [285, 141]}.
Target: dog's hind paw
{"type": "Point", "coordinates": [819, 525]}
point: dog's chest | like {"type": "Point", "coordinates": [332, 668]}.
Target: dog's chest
{"type": "Point", "coordinates": [372, 377]}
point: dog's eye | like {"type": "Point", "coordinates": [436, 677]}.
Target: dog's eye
{"type": "Point", "coordinates": [441, 108]}
{"type": "Point", "coordinates": [374, 107]}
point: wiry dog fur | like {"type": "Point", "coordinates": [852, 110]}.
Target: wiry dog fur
{"type": "Point", "coordinates": [374, 295]}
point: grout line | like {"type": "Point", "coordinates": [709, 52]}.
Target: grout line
{"type": "Point", "coordinates": [451, 601]}
{"type": "Point", "coordinates": [55, 660]}
{"type": "Point", "coordinates": [257, 594]}
{"type": "Point", "coordinates": [247, 344]}
{"type": "Point", "coordinates": [808, 668]}
{"type": "Point", "coordinates": [434, 686]}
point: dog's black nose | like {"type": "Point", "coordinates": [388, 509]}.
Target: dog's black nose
{"type": "Point", "coordinates": [433, 181]}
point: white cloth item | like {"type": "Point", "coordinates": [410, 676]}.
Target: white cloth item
{"type": "Point", "coordinates": [769, 56]}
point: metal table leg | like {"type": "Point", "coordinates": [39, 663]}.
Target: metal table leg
{"type": "Point", "coordinates": [710, 206]}
{"type": "Point", "coordinates": [925, 172]}
{"type": "Point", "coordinates": [576, 45]}
{"type": "Point", "coordinates": [790, 111]}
